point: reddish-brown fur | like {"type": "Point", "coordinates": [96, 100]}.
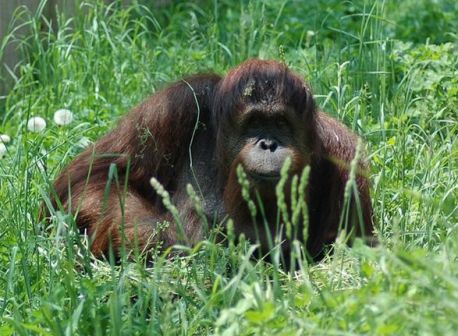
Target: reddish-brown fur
{"type": "Point", "coordinates": [154, 140]}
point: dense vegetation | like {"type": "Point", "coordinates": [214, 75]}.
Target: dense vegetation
{"type": "Point", "coordinates": [388, 69]}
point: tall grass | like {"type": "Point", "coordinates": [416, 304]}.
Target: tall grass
{"type": "Point", "coordinates": [400, 96]}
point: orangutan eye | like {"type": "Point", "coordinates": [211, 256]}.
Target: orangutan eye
{"type": "Point", "coordinates": [282, 124]}
{"type": "Point", "coordinates": [253, 122]}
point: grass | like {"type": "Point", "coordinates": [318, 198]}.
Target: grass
{"type": "Point", "coordinates": [387, 69]}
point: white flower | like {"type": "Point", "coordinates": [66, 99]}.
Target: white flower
{"type": "Point", "coordinates": [63, 117]}
{"type": "Point", "coordinates": [36, 124]}
{"type": "Point", "coordinates": [4, 138]}
{"type": "Point", "coordinates": [309, 38]}
{"type": "Point", "coordinates": [2, 149]}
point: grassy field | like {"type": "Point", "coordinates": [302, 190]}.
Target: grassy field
{"type": "Point", "coordinates": [387, 69]}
